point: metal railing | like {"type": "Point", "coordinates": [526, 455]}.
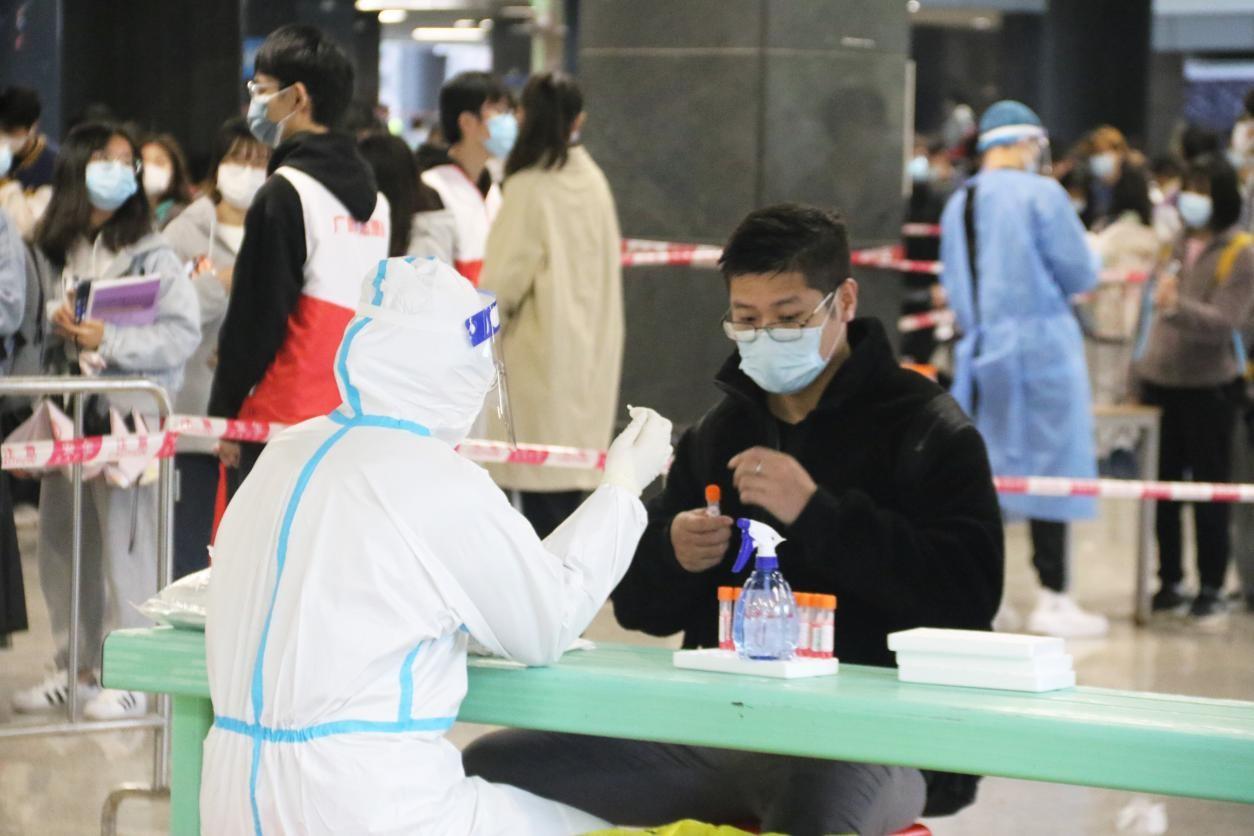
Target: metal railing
{"type": "Point", "coordinates": [80, 389]}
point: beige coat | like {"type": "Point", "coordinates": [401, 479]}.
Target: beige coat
{"type": "Point", "coordinates": [553, 259]}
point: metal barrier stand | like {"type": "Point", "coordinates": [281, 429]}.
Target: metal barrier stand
{"type": "Point", "coordinates": [1145, 420]}
{"type": "Point", "coordinates": [79, 389]}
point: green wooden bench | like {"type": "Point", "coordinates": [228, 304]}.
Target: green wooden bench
{"type": "Point", "coordinates": [1092, 736]}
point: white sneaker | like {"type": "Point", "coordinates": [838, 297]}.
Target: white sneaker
{"type": "Point", "coordinates": [51, 694]}
{"type": "Point", "coordinates": [116, 705]}
{"type": "Point", "coordinates": [1056, 614]}
{"type": "Point", "coordinates": [1007, 619]}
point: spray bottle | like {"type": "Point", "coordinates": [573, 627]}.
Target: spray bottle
{"type": "Point", "coordinates": [765, 622]}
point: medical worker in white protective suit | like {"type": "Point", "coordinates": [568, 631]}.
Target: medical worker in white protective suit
{"type": "Point", "coordinates": [356, 562]}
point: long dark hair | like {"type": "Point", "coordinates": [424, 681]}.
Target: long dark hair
{"type": "Point", "coordinates": [1131, 194]}
{"type": "Point", "coordinates": [180, 188]}
{"type": "Point", "coordinates": [551, 103]}
{"type": "Point", "coordinates": [396, 172]}
{"type": "Point", "coordinates": [1225, 191]}
{"type": "Point", "coordinates": [69, 211]}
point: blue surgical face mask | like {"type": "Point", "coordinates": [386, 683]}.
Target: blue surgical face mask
{"type": "Point", "coordinates": [919, 169]}
{"type": "Point", "coordinates": [785, 368]}
{"type": "Point", "coordinates": [502, 132]}
{"type": "Point", "coordinates": [1103, 165]}
{"type": "Point", "coordinates": [6, 157]}
{"type": "Point", "coordinates": [259, 123]}
{"type": "Point", "coordinates": [1195, 209]}
{"type": "Point", "coordinates": [110, 184]}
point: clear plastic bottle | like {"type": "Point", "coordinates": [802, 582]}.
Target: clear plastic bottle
{"type": "Point", "coordinates": [765, 624]}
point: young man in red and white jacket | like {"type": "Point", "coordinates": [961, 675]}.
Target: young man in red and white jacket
{"type": "Point", "coordinates": [478, 123]}
{"type": "Point", "coordinates": [313, 230]}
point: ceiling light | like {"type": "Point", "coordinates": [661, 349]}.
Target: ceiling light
{"type": "Point", "coordinates": [447, 34]}
{"type": "Point", "coordinates": [414, 5]}
{"type": "Point", "coordinates": [982, 23]}
{"type": "Point", "coordinates": [392, 16]}
{"type": "Point", "coordinates": [912, 6]}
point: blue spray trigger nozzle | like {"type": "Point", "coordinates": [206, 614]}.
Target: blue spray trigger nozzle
{"type": "Point", "coordinates": [746, 546]}
{"type": "Point", "coordinates": [755, 537]}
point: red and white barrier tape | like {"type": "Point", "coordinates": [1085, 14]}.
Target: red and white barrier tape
{"type": "Point", "coordinates": [921, 230]}
{"type": "Point", "coordinates": [101, 449]}
{"type": "Point", "coordinates": [230, 429]}
{"type": "Point", "coordinates": [639, 252]}
{"type": "Point", "coordinates": [890, 258]}
{"type": "Point", "coordinates": [1124, 489]}
{"type": "Point", "coordinates": [922, 321]}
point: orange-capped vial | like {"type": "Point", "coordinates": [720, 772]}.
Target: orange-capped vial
{"type": "Point", "coordinates": [805, 610]}
{"type": "Point", "coordinates": [726, 611]}
{"type": "Point", "coordinates": [826, 623]}
{"type": "Point", "coordinates": [713, 495]}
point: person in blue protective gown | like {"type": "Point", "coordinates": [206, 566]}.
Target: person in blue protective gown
{"type": "Point", "coordinates": [358, 559]}
{"type": "Point", "coordinates": [1014, 253]}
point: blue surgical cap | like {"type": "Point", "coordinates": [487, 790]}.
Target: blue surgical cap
{"type": "Point", "coordinates": [1008, 122]}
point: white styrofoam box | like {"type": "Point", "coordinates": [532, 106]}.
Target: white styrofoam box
{"type": "Point", "coordinates": [942, 675]}
{"type": "Point", "coordinates": [1054, 663]}
{"type": "Point", "coordinates": [974, 643]}
{"type": "Point", "coordinates": [728, 661]}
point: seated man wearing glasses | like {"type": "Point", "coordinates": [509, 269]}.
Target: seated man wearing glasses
{"type": "Point", "coordinates": [881, 486]}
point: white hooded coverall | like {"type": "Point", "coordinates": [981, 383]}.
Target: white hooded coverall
{"type": "Point", "coordinates": [349, 572]}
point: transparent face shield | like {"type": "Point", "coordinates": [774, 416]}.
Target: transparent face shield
{"type": "Point", "coordinates": [485, 327]}
{"type": "Point", "coordinates": [1044, 158]}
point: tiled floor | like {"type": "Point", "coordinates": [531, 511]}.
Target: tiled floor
{"type": "Point", "coordinates": [55, 786]}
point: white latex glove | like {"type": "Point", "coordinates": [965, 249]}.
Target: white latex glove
{"type": "Point", "coordinates": [640, 453]}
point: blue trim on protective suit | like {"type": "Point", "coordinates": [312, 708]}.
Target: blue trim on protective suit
{"type": "Point", "coordinates": [351, 393]}
{"type": "Point", "coordinates": [285, 531]}
{"type": "Point", "coordinates": [380, 422]}
{"type": "Point", "coordinates": [406, 704]}
{"type": "Point", "coordinates": [269, 734]}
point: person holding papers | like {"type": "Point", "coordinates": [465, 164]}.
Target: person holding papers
{"type": "Point", "coordinates": [97, 229]}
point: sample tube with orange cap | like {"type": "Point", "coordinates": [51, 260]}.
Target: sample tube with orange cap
{"type": "Point", "coordinates": [824, 630]}
{"type": "Point", "coordinates": [805, 615]}
{"type": "Point", "coordinates": [712, 497]}
{"type": "Point", "coordinates": [726, 609]}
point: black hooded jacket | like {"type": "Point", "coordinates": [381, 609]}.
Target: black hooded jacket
{"type": "Point", "coordinates": [905, 527]}
{"type": "Point", "coordinates": [270, 267]}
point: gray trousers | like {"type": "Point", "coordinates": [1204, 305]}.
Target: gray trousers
{"type": "Point", "coordinates": [119, 566]}
{"type": "Point", "coordinates": [637, 783]}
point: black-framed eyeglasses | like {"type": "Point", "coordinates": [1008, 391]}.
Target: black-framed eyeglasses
{"type": "Point", "coordinates": [780, 332]}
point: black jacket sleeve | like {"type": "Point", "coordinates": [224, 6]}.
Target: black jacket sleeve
{"type": "Point", "coordinates": [657, 594]}
{"type": "Point", "coordinates": [269, 277]}
{"type": "Point", "coordinates": [941, 562]}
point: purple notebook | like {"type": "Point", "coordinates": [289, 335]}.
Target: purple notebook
{"type": "Point", "coordinates": [130, 300]}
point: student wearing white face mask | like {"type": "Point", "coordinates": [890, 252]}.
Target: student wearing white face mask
{"type": "Point", "coordinates": [207, 236]}
{"type": "Point", "coordinates": [98, 226]}
{"type": "Point", "coordinates": [1190, 362]}
{"type": "Point", "coordinates": [165, 178]}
